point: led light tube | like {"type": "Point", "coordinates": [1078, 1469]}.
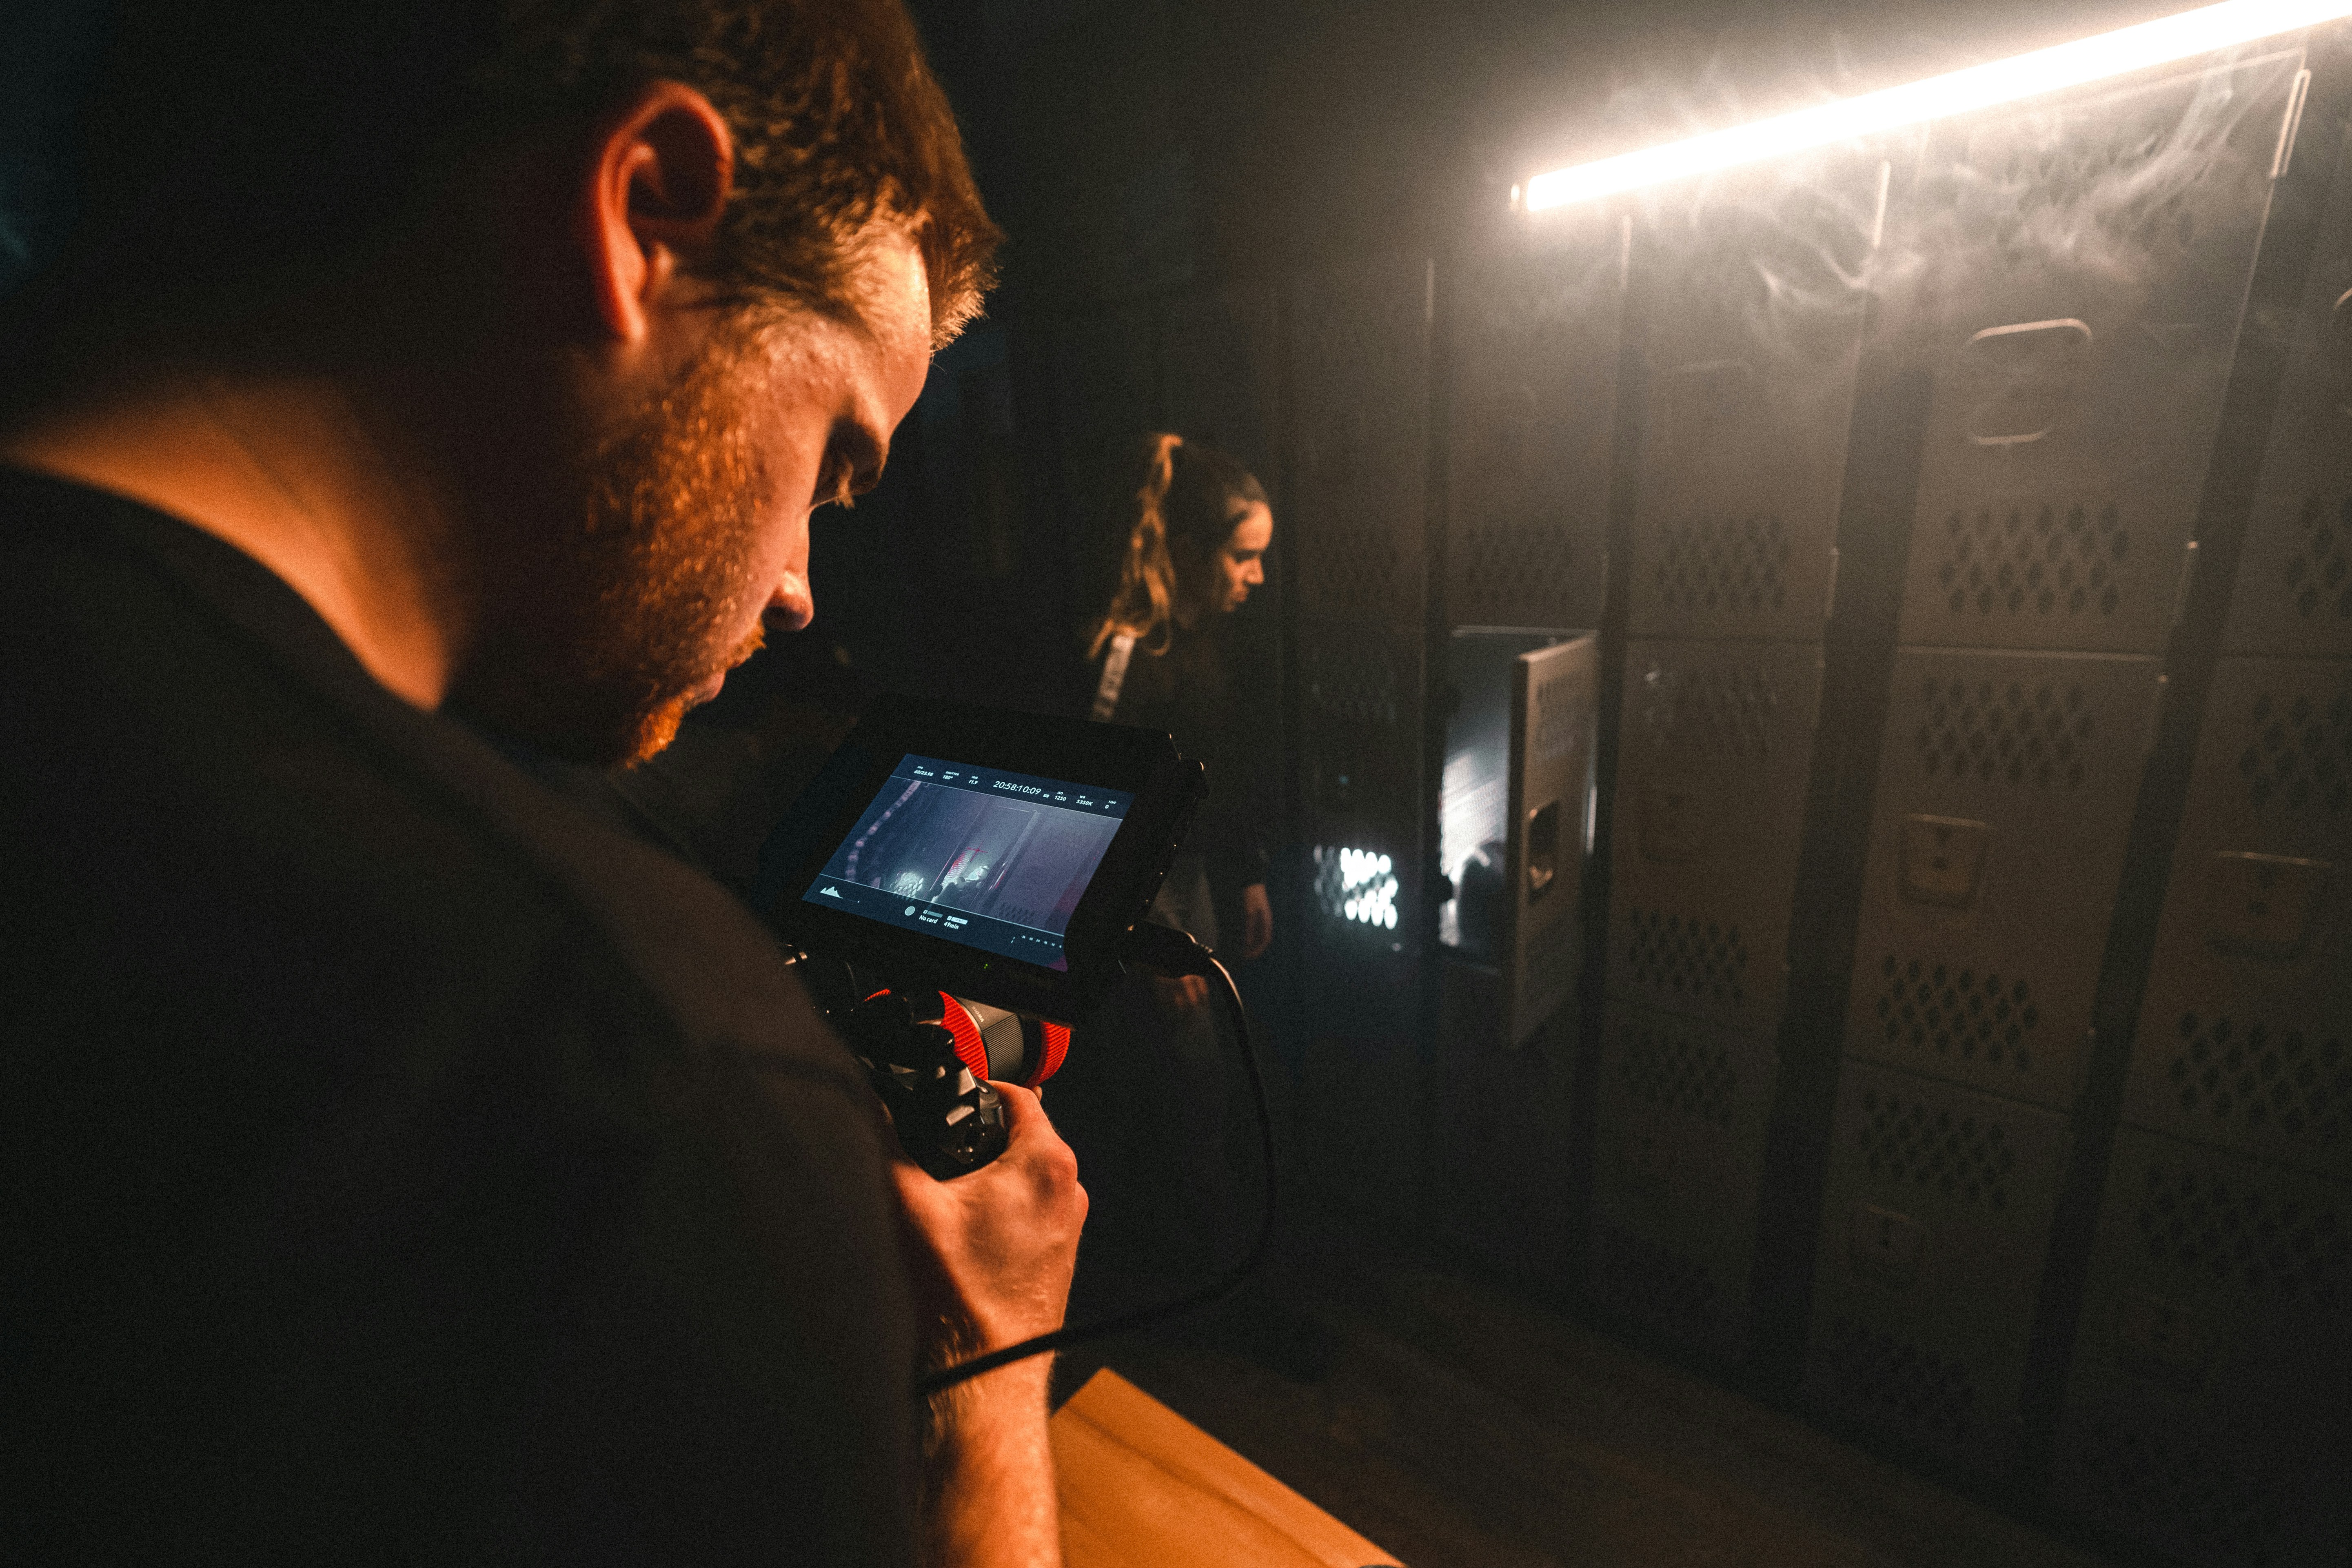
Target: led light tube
{"type": "Point", "coordinates": [2160, 42]}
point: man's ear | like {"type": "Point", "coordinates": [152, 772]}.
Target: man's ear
{"type": "Point", "coordinates": [659, 179]}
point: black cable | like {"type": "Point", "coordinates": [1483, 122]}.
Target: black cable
{"type": "Point", "coordinates": [1183, 955]}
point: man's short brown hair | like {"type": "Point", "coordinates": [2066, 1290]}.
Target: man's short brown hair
{"type": "Point", "coordinates": [240, 153]}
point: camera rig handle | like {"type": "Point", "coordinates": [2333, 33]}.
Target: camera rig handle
{"type": "Point", "coordinates": [931, 1056]}
{"type": "Point", "coordinates": [947, 1119]}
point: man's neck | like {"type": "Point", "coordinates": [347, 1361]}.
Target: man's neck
{"type": "Point", "coordinates": [287, 472]}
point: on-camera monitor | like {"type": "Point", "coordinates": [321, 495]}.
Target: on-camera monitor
{"type": "Point", "coordinates": [992, 859]}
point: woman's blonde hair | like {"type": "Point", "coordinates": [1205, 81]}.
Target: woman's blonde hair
{"type": "Point", "coordinates": [1188, 495]}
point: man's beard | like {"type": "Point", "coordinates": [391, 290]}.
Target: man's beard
{"type": "Point", "coordinates": [593, 631]}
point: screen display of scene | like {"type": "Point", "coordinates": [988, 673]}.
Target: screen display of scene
{"type": "Point", "coordinates": [992, 859]}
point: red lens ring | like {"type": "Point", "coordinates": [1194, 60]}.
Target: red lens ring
{"type": "Point", "coordinates": [1057, 1046]}
{"type": "Point", "coordinates": [969, 1048]}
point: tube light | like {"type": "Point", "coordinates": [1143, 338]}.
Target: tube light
{"type": "Point", "coordinates": [2127, 49]}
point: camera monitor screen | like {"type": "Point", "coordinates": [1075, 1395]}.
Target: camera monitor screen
{"type": "Point", "coordinates": [978, 855]}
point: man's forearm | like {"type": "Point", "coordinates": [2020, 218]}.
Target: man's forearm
{"type": "Point", "coordinates": [992, 1501]}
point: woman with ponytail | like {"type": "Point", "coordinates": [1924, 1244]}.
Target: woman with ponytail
{"type": "Point", "coordinates": [1194, 551]}
{"type": "Point", "coordinates": [1150, 1099]}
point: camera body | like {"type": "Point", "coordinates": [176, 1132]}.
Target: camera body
{"type": "Point", "coordinates": [961, 882]}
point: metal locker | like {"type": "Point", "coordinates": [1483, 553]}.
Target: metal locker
{"type": "Point", "coordinates": [1678, 1172]}
{"type": "Point", "coordinates": [2245, 1033]}
{"type": "Point", "coordinates": [2293, 593]}
{"type": "Point", "coordinates": [1555, 741]}
{"type": "Point", "coordinates": [2082, 269]}
{"type": "Point", "coordinates": [2209, 1400]}
{"type": "Point", "coordinates": [1219, 367]}
{"type": "Point", "coordinates": [1356, 508]}
{"type": "Point", "coordinates": [1534, 422]}
{"type": "Point", "coordinates": [1360, 368]}
{"type": "Point", "coordinates": [1714, 754]}
{"type": "Point", "coordinates": [1754, 341]}
{"type": "Point", "coordinates": [1935, 1226]}
{"type": "Point", "coordinates": [2006, 784]}
{"type": "Point", "coordinates": [1360, 716]}
{"type": "Point", "coordinates": [1357, 518]}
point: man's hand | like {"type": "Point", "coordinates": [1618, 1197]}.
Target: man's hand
{"type": "Point", "coordinates": [993, 1253]}
{"type": "Point", "coordinates": [1258, 921]}
{"type": "Point", "coordinates": [995, 1248]}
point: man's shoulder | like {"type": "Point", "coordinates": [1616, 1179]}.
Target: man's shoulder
{"type": "Point", "coordinates": [199, 769]}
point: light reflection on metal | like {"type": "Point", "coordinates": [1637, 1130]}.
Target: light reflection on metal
{"type": "Point", "coordinates": [2160, 42]}
{"type": "Point", "coordinates": [1357, 884]}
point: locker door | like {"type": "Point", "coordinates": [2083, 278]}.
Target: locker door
{"type": "Point", "coordinates": [2004, 796]}
{"type": "Point", "coordinates": [2207, 1407]}
{"type": "Point", "coordinates": [1678, 1175]}
{"type": "Point", "coordinates": [1533, 426]}
{"type": "Point", "coordinates": [1556, 699]}
{"type": "Point", "coordinates": [2294, 589]}
{"type": "Point", "coordinates": [2083, 269]}
{"type": "Point", "coordinates": [1934, 1226]}
{"type": "Point", "coordinates": [1715, 748]}
{"type": "Point", "coordinates": [1755, 336]}
{"type": "Point", "coordinates": [2245, 1032]}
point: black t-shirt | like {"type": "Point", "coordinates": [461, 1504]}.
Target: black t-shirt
{"type": "Point", "coordinates": [400, 1164]}
{"type": "Point", "coordinates": [1187, 692]}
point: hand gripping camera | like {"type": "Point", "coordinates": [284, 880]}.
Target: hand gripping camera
{"type": "Point", "coordinates": [963, 883]}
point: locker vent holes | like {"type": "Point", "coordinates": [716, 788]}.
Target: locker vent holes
{"type": "Point", "coordinates": [2162, 1483]}
{"type": "Point", "coordinates": [1515, 572]}
{"type": "Point", "coordinates": [2231, 1232]}
{"type": "Point", "coordinates": [2033, 738]}
{"type": "Point", "coordinates": [2300, 754]}
{"type": "Point", "coordinates": [2319, 574]}
{"type": "Point", "coordinates": [2264, 1081]}
{"type": "Point", "coordinates": [1956, 1012]}
{"type": "Point", "coordinates": [1351, 684]}
{"type": "Point", "coordinates": [1898, 1384]}
{"type": "Point", "coordinates": [1355, 573]}
{"type": "Point", "coordinates": [2128, 177]}
{"type": "Point", "coordinates": [1669, 1069]}
{"type": "Point", "coordinates": [1737, 564]}
{"type": "Point", "coordinates": [2037, 562]}
{"type": "Point", "coordinates": [1684, 959]}
{"type": "Point", "coordinates": [1717, 712]}
{"type": "Point", "coordinates": [1943, 1150]}
{"type": "Point", "coordinates": [1356, 885]}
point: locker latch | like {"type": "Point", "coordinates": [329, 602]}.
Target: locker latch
{"type": "Point", "coordinates": [1943, 859]}
{"type": "Point", "coordinates": [2261, 905]}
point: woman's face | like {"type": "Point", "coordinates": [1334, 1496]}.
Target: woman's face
{"type": "Point", "coordinates": [1239, 561]}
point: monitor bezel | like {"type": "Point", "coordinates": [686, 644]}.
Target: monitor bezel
{"type": "Point", "coordinates": [1144, 764]}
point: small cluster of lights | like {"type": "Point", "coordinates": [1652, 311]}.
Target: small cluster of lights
{"type": "Point", "coordinates": [1368, 887]}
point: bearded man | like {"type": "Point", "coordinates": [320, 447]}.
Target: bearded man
{"type": "Point", "coordinates": [401, 1165]}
